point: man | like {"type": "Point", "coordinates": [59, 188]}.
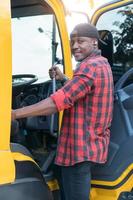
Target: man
{"type": "Point", "coordinates": [87, 102]}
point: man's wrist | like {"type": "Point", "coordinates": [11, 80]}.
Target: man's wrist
{"type": "Point", "coordinates": [14, 115]}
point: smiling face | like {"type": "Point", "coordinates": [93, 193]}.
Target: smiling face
{"type": "Point", "coordinates": [82, 47]}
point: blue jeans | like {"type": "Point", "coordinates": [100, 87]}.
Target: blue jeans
{"type": "Point", "coordinates": [74, 181]}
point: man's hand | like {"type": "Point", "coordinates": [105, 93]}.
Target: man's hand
{"type": "Point", "coordinates": [56, 73]}
{"type": "Point", "coordinates": [13, 115]}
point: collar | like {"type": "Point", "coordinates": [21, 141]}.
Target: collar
{"type": "Point", "coordinates": [95, 53]}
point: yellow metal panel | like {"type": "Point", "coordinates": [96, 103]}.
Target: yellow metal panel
{"type": "Point", "coordinates": [106, 8]}
{"type": "Point", "coordinates": [5, 73]}
{"type": "Point", "coordinates": [111, 194]}
{"type": "Point", "coordinates": [21, 157]}
{"type": "Point", "coordinates": [7, 168]}
{"type": "Point", "coordinates": [59, 12]}
{"type": "Point", "coordinates": [53, 185]}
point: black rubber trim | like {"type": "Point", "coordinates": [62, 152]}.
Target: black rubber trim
{"type": "Point", "coordinates": [27, 169]}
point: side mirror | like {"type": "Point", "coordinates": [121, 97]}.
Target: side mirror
{"type": "Point", "coordinates": [106, 45]}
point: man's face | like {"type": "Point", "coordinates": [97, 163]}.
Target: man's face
{"type": "Point", "coordinates": [82, 47]}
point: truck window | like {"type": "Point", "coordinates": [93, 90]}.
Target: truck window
{"type": "Point", "coordinates": [119, 24]}
{"type": "Point", "coordinates": [35, 43]}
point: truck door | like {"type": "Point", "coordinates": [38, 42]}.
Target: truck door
{"type": "Point", "coordinates": [114, 179]}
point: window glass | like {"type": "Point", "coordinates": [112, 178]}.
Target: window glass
{"type": "Point", "coordinates": [119, 23]}
{"type": "Point", "coordinates": [35, 44]}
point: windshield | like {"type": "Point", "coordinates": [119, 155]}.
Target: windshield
{"type": "Point", "coordinates": [34, 43]}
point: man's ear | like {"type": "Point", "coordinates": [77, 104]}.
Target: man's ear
{"type": "Point", "coordinates": [95, 43]}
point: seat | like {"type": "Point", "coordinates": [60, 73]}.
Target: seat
{"type": "Point", "coordinates": [29, 183]}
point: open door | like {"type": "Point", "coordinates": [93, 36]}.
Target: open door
{"type": "Point", "coordinates": [114, 179]}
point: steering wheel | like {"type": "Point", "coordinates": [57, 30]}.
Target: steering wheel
{"type": "Point", "coordinates": [21, 80]}
{"type": "Point", "coordinates": [119, 85]}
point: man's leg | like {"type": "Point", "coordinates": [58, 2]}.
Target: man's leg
{"type": "Point", "coordinates": [76, 181]}
{"type": "Point", "coordinates": [58, 176]}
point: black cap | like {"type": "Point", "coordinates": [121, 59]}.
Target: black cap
{"type": "Point", "coordinates": [85, 30]}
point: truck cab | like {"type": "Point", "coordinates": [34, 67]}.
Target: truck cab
{"type": "Point", "coordinates": [34, 37]}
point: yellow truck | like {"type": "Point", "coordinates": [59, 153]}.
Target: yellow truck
{"type": "Point", "coordinates": [33, 37]}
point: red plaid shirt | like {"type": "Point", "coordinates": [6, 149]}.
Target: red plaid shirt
{"type": "Point", "coordinates": [88, 101]}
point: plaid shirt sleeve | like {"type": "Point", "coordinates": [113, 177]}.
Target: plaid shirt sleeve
{"type": "Point", "coordinates": [77, 88]}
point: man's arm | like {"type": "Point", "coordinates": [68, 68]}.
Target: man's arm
{"type": "Point", "coordinates": [44, 107]}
